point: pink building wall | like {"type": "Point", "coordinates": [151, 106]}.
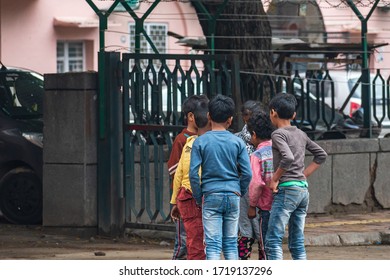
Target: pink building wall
{"type": "Point", "coordinates": [28, 36]}
{"type": "Point", "coordinates": [344, 19]}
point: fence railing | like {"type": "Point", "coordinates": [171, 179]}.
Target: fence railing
{"type": "Point", "coordinates": [328, 101]}
{"type": "Point", "coordinates": [152, 117]}
{"type": "Point", "coordinates": [154, 87]}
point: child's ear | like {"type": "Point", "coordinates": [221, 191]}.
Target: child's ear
{"type": "Point", "coordinates": [295, 114]}
{"type": "Point", "coordinates": [191, 117]}
{"type": "Point", "coordinates": [229, 121]}
{"type": "Point", "coordinates": [273, 113]}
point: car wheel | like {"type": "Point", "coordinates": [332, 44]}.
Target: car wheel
{"type": "Point", "coordinates": [21, 196]}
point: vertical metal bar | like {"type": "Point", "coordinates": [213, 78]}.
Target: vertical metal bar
{"type": "Point", "coordinates": [110, 191]}
{"type": "Point", "coordinates": [103, 24]}
{"type": "Point", "coordinates": [236, 91]}
{"type": "Point", "coordinates": [127, 161]}
{"type": "Point", "coordinates": [139, 25]}
{"type": "Point", "coordinates": [366, 100]}
{"type": "Point", "coordinates": [212, 19]}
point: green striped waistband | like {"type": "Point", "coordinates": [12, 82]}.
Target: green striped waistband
{"type": "Point", "coordinates": [301, 184]}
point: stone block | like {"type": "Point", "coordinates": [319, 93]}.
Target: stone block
{"type": "Point", "coordinates": [382, 182]}
{"type": "Point", "coordinates": [384, 144]}
{"type": "Point", "coordinates": [351, 178]}
{"type": "Point", "coordinates": [360, 238]}
{"type": "Point", "coordinates": [349, 146]}
{"type": "Point", "coordinates": [71, 81]}
{"type": "Point", "coordinates": [320, 186]}
{"type": "Point", "coordinates": [331, 239]}
{"type": "Point", "coordinates": [69, 195]}
{"type": "Point", "coordinates": [70, 131]}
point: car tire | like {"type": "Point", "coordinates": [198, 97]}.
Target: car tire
{"type": "Point", "coordinates": [21, 196]}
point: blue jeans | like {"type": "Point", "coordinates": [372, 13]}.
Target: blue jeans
{"type": "Point", "coordinates": [220, 222]}
{"type": "Point", "coordinates": [289, 207]}
{"type": "Point", "coordinates": [180, 248]}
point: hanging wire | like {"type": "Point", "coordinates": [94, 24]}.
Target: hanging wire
{"type": "Point", "coordinates": [332, 3]}
{"type": "Point", "coordinates": [272, 18]}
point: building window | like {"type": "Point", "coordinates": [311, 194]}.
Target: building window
{"type": "Point", "coordinates": [70, 57]}
{"type": "Point", "coordinates": [157, 33]}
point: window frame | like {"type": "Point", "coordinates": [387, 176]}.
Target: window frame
{"type": "Point", "coordinates": [66, 59]}
{"type": "Point", "coordinates": [147, 27]}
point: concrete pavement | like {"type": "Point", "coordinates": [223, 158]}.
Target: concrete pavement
{"type": "Point", "coordinates": [348, 229]}
{"type": "Point", "coordinates": [341, 229]}
{"type": "Point", "coordinates": [327, 237]}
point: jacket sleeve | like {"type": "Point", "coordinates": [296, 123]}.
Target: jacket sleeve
{"type": "Point", "coordinates": [245, 168]}
{"type": "Point", "coordinates": [195, 164]}
{"type": "Point", "coordinates": [257, 183]}
{"type": "Point", "coordinates": [318, 152]}
{"type": "Point", "coordinates": [177, 180]}
{"type": "Point", "coordinates": [174, 157]}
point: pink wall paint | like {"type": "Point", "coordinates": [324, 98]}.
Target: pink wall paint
{"type": "Point", "coordinates": [344, 19]}
{"type": "Point", "coordinates": [28, 36]}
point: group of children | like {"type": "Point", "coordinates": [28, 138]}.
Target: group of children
{"type": "Point", "coordinates": [227, 194]}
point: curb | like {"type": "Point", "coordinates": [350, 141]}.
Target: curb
{"type": "Point", "coordinates": [329, 239]}
{"type": "Point", "coordinates": [349, 239]}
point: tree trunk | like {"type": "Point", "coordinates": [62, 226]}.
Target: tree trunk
{"type": "Point", "coordinates": [243, 28]}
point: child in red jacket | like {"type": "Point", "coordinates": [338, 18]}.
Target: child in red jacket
{"type": "Point", "coordinates": [188, 108]}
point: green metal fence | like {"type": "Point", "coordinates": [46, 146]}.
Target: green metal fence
{"type": "Point", "coordinates": [154, 87]}
{"type": "Point", "coordinates": [327, 100]}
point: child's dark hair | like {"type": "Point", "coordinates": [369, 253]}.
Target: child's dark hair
{"type": "Point", "coordinates": [260, 123]}
{"type": "Point", "coordinates": [221, 108]}
{"type": "Point", "coordinates": [284, 104]}
{"type": "Point", "coordinates": [190, 104]}
{"type": "Point", "coordinates": [250, 106]}
{"type": "Point", "coordinates": [200, 113]}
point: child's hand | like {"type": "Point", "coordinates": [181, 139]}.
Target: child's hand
{"type": "Point", "coordinates": [251, 212]}
{"type": "Point", "coordinates": [175, 213]}
{"type": "Point", "coordinates": [273, 185]}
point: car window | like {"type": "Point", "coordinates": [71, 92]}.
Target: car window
{"type": "Point", "coordinates": [21, 94]}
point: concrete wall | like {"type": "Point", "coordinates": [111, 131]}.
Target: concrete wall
{"type": "Point", "coordinates": [70, 150]}
{"type": "Point", "coordinates": [355, 177]}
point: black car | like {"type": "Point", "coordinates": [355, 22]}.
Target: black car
{"type": "Point", "coordinates": [21, 142]}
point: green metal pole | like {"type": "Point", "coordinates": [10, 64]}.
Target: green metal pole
{"type": "Point", "coordinates": [365, 80]}
{"type": "Point", "coordinates": [212, 21]}
{"type": "Point", "coordinates": [139, 25]}
{"type": "Point", "coordinates": [102, 81]}
{"type": "Point", "coordinates": [103, 24]}
{"type": "Point", "coordinates": [110, 195]}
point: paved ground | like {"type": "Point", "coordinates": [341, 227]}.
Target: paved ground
{"type": "Point", "coordinates": [344, 237]}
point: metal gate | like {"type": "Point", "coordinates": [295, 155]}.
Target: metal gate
{"type": "Point", "coordinates": [154, 87]}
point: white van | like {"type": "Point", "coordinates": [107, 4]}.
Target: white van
{"type": "Point", "coordinates": [342, 82]}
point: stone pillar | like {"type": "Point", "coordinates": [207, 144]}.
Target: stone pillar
{"type": "Point", "coordinates": [70, 150]}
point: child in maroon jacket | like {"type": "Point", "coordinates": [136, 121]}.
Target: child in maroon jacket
{"type": "Point", "coordinates": [188, 108]}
